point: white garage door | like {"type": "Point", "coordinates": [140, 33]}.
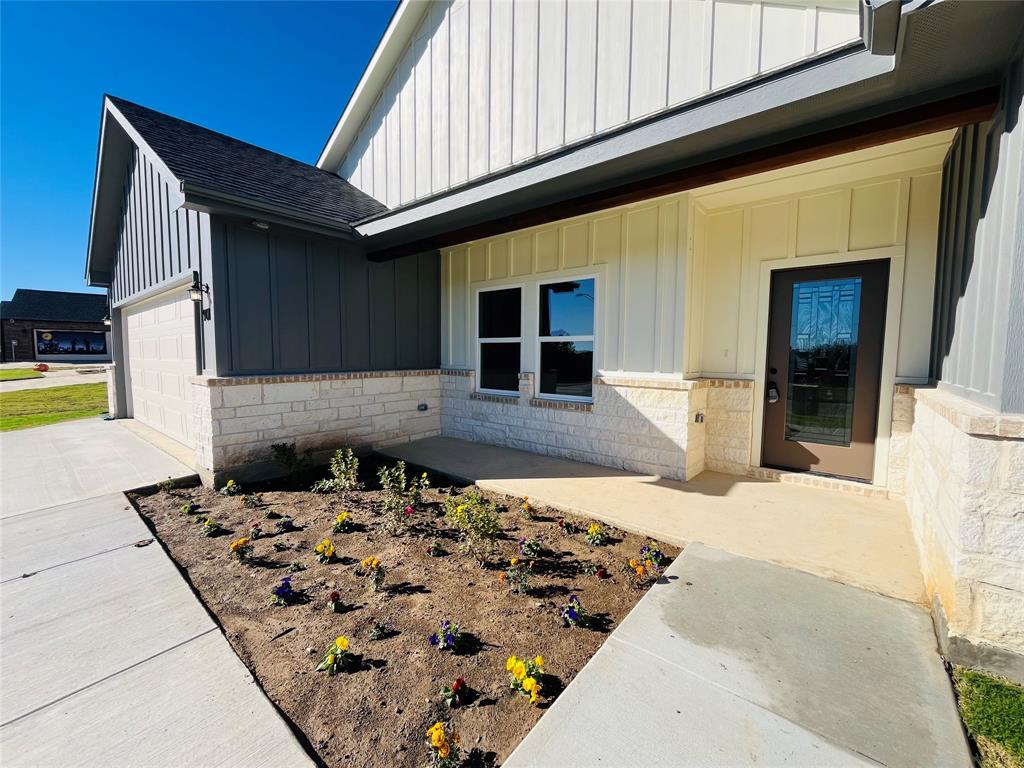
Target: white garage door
{"type": "Point", "coordinates": [161, 351]}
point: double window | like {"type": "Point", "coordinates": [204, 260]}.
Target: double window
{"type": "Point", "coordinates": [565, 339]}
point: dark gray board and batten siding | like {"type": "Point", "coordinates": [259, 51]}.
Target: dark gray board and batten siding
{"type": "Point", "coordinates": [155, 243]}
{"type": "Point", "coordinates": [305, 304]}
{"type": "Point", "coordinates": [978, 322]}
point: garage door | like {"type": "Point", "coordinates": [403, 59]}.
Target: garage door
{"type": "Point", "coordinates": [161, 351]}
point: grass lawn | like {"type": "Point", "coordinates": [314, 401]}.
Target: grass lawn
{"type": "Point", "coordinates": [993, 711]}
{"type": "Point", "coordinates": [36, 407]}
{"type": "Point", "coordinates": [14, 374]}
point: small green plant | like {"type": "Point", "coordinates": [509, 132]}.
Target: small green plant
{"type": "Point", "coordinates": [337, 658]}
{"type": "Point", "coordinates": [284, 524]}
{"type": "Point", "coordinates": [166, 485]}
{"type": "Point", "coordinates": [594, 569]}
{"type": "Point", "coordinates": [572, 613]}
{"type": "Point", "coordinates": [417, 487]}
{"type": "Point", "coordinates": [296, 566]}
{"type": "Point", "coordinates": [532, 546]}
{"type": "Point", "coordinates": [324, 551]}
{"type": "Point", "coordinates": [373, 571]}
{"type": "Point", "coordinates": [231, 488]}
{"type": "Point", "coordinates": [270, 514]}
{"type": "Point", "coordinates": [291, 460]}
{"type": "Point", "coordinates": [448, 637]}
{"type": "Point", "coordinates": [255, 530]}
{"type": "Point", "coordinates": [241, 548]}
{"type": "Point", "coordinates": [517, 576]}
{"type": "Point", "coordinates": [568, 527]}
{"type": "Point", "coordinates": [526, 508]}
{"type": "Point", "coordinates": [189, 508]}
{"type": "Point", "coordinates": [443, 749]}
{"type": "Point", "coordinates": [454, 694]}
{"type": "Point", "coordinates": [379, 630]}
{"type": "Point", "coordinates": [435, 549]}
{"type": "Point", "coordinates": [334, 602]}
{"type": "Point", "coordinates": [525, 675]}
{"type": "Point", "coordinates": [342, 523]}
{"type": "Point", "coordinates": [210, 527]}
{"type": "Point", "coordinates": [280, 546]}
{"type": "Point", "coordinates": [396, 507]}
{"type": "Point", "coordinates": [344, 470]}
{"type": "Point", "coordinates": [477, 521]}
{"type": "Point", "coordinates": [252, 501]}
{"type": "Point", "coordinates": [596, 535]}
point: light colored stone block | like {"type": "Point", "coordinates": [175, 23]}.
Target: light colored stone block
{"type": "Point", "coordinates": [241, 394]}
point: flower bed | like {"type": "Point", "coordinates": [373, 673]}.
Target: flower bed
{"type": "Point", "coordinates": [406, 595]}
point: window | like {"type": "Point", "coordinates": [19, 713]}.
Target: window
{"type": "Point", "coordinates": [499, 331]}
{"type": "Point", "coordinates": [566, 339]}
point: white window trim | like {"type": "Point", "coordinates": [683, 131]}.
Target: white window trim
{"type": "Point", "coordinates": [477, 341]}
{"type": "Point", "coordinates": [541, 339]}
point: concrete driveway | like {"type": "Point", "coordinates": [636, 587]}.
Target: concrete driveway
{"type": "Point", "coordinates": [61, 377]}
{"type": "Point", "coordinates": [108, 658]}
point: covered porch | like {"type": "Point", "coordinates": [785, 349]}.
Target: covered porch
{"type": "Point", "coordinates": [851, 538]}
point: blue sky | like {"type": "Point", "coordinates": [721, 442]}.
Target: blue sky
{"type": "Point", "coordinates": [273, 74]}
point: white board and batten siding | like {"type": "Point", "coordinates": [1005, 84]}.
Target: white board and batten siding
{"type": "Point", "coordinates": [488, 84]}
{"type": "Point", "coordinates": [679, 277]}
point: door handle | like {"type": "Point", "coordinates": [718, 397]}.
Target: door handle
{"type": "Point", "coordinates": [773, 393]}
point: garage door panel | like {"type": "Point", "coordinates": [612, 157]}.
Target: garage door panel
{"type": "Point", "coordinates": [161, 361]}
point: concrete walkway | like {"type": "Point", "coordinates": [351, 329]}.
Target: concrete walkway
{"type": "Point", "coordinates": [61, 378]}
{"type": "Point", "coordinates": [866, 542]}
{"type": "Point", "coordinates": [107, 657]}
{"type": "Point", "coordinates": [729, 661]}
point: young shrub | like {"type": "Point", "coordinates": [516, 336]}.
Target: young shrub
{"type": "Point", "coordinates": [241, 548]}
{"type": "Point", "coordinates": [517, 576]}
{"type": "Point", "coordinates": [379, 630]}
{"type": "Point", "coordinates": [396, 496]}
{"type": "Point", "coordinates": [290, 460]}
{"type": "Point", "coordinates": [324, 551]}
{"type": "Point", "coordinates": [189, 508]}
{"type": "Point", "coordinates": [572, 613]}
{"type": "Point", "coordinates": [344, 474]}
{"type": "Point", "coordinates": [284, 524]}
{"type": "Point", "coordinates": [373, 571]}
{"type": "Point", "coordinates": [337, 658]}
{"type": "Point", "coordinates": [524, 676]}
{"type": "Point", "coordinates": [231, 488]}
{"type": "Point", "coordinates": [447, 638]}
{"type": "Point", "coordinates": [210, 527]}
{"type": "Point", "coordinates": [285, 594]}
{"type": "Point", "coordinates": [342, 523]}
{"type": "Point", "coordinates": [477, 521]}
{"type": "Point", "coordinates": [531, 547]}
{"type": "Point", "coordinates": [252, 500]}
{"type": "Point", "coordinates": [443, 749]}
{"type": "Point", "coordinates": [455, 693]}
{"type": "Point", "coordinates": [596, 535]}
{"type": "Point", "coordinates": [417, 487]}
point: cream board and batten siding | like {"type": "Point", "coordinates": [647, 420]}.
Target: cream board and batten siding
{"type": "Point", "coordinates": [638, 256]}
{"type": "Point", "coordinates": [487, 84]}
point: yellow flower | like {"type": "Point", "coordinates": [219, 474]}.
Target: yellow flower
{"type": "Point", "coordinates": [341, 518]}
{"type": "Point", "coordinates": [538, 660]}
{"type": "Point", "coordinates": [341, 642]}
{"type": "Point", "coordinates": [529, 684]}
{"type": "Point", "coordinates": [594, 528]}
{"type": "Point", "coordinates": [510, 663]}
{"type": "Point", "coordinates": [424, 475]}
{"type": "Point", "coordinates": [330, 659]}
{"type": "Point", "coordinates": [438, 726]}
{"type": "Point", "coordinates": [633, 563]}
{"type": "Point", "coordinates": [534, 696]}
{"type": "Point", "coordinates": [237, 544]}
{"type": "Point", "coordinates": [514, 561]}
{"type": "Point", "coordinates": [519, 670]}
{"type": "Point", "coordinates": [443, 749]}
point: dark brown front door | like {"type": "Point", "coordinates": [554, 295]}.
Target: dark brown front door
{"type": "Point", "coordinates": [825, 332]}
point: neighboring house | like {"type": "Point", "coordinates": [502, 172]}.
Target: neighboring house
{"type": "Point", "coordinates": [54, 326]}
{"type": "Point", "coordinates": [762, 239]}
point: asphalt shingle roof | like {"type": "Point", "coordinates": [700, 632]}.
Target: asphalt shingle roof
{"type": "Point", "coordinates": [219, 163]}
{"type": "Point", "coordinates": [29, 304]}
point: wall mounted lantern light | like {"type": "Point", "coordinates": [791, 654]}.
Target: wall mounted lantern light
{"type": "Point", "coordinates": [107, 320]}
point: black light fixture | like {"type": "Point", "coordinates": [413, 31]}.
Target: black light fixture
{"type": "Point", "coordinates": [196, 291]}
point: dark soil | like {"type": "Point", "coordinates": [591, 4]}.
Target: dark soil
{"type": "Point", "coordinates": [378, 714]}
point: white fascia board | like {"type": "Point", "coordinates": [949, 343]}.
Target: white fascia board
{"type": "Point", "coordinates": [385, 58]}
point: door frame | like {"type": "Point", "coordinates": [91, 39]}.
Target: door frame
{"type": "Point", "coordinates": [896, 256]}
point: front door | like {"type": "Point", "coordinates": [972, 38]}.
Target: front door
{"type": "Point", "coordinates": [825, 334]}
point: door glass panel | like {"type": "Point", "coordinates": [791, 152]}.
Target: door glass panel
{"type": "Point", "coordinates": [822, 361]}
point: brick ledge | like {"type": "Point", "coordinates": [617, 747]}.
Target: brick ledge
{"type": "Point", "coordinates": [289, 378]}
{"type": "Point", "coordinates": [971, 418]}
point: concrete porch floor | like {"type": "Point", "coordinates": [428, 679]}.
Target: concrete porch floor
{"type": "Point", "coordinates": [864, 542]}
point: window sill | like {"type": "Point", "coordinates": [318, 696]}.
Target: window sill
{"type": "Point", "coordinates": [562, 405]}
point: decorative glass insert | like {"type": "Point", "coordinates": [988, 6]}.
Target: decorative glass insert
{"type": "Point", "coordinates": [499, 328]}
{"type": "Point", "coordinates": [823, 361]}
{"type": "Point", "coordinates": [566, 337]}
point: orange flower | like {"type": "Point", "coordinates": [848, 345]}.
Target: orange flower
{"type": "Point", "coordinates": [502, 576]}
{"type": "Point", "coordinates": [640, 571]}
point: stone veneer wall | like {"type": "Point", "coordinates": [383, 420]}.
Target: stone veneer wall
{"type": "Point", "coordinates": [636, 424]}
{"type": "Point", "coordinates": [900, 436]}
{"type": "Point", "coordinates": [236, 419]}
{"type": "Point", "coordinates": [729, 423]}
{"type": "Point", "coordinates": [965, 498]}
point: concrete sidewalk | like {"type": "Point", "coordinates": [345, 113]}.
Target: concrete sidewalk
{"type": "Point", "coordinates": [53, 379]}
{"type": "Point", "coordinates": [856, 540]}
{"type": "Point", "coordinates": [108, 658]}
{"type": "Point", "coordinates": [729, 661]}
